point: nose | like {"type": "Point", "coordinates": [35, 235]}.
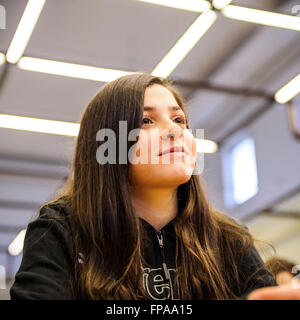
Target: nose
{"type": "Point", "coordinates": [173, 132]}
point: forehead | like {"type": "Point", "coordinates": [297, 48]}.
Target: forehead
{"type": "Point", "coordinates": [159, 96]}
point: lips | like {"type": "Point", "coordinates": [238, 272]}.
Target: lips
{"type": "Point", "coordinates": [171, 150]}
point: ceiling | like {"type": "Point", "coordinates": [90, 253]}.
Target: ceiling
{"type": "Point", "coordinates": [231, 53]}
{"type": "Point", "coordinates": [131, 36]}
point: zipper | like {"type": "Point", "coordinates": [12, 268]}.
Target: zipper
{"type": "Point", "coordinates": [161, 245]}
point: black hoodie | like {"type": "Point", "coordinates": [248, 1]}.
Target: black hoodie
{"type": "Point", "coordinates": [48, 259]}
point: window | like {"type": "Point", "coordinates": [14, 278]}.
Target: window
{"type": "Point", "coordinates": [239, 170]}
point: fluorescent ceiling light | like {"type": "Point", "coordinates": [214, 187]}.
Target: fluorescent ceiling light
{"type": "Point", "coordinates": [39, 125]}
{"type": "Point", "coordinates": [262, 17]}
{"type": "Point", "coordinates": [206, 146]}
{"type": "Point", "coordinates": [2, 58]}
{"type": "Point", "coordinates": [70, 69]}
{"type": "Point", "coordinates": [185, 44]}
{"type": "Point", "coordinates": [289, 91]}
{"type": "Point", "coordinates": [24, 30]}
{"type": "Point", "coordinates": [189, 5]}
{"type": "Point", "coordinates": [220, 4]}
{"type": "Point", "coordinates": [16, 246]}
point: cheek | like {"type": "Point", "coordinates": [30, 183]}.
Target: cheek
{"type": "Point", "coordinates": [146, 148]}
{"type": "Point", "coordinates": [189, 142]}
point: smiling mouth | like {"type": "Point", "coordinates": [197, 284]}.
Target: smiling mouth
{"type": "Point", "coordinates": [173, 152]}
{"type": "Point", "coordinates": [178, 150]}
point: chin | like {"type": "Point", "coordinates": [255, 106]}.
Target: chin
{"type": "Point", "coordinates": [176, 174]}
{"type": "Point", "coordinates": [160, 176]}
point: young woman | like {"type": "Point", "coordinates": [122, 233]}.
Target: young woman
{"type": "Point", "coordinates": [141, 229]}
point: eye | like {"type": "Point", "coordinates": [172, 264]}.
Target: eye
{"type": "Point", "coordinates": [144, 120]}
{"type": "Point", "coordinates": [182, 119]}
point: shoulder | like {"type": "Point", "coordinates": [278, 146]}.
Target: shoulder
{"type": "Point", "coordinates": [234, 237]}
{"type": "Point", "coordinates": [240, 244]}
{"type": "Point", "coordinates": [51, 225]}
{"type": "Point", "coordinates": [55, 212]}
{"type": "Point", "coordinates": [48, 256]}
{"type": "Point", "coordinates": [54, 209]}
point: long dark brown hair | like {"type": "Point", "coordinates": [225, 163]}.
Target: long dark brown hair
{"type": "Point", "coordinates": [106, 230]}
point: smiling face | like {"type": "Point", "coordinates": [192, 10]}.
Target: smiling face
{"type": "Point", "coordinates": [164, 161]}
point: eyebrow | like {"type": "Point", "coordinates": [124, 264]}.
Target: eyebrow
{"type": "Point", "coordinates": [154, 109]}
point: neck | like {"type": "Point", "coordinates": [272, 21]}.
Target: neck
{"type": "Point", "coordinates": [157, 206]}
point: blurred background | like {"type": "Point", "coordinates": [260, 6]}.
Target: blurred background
{"type": "Point", "coordinates": [235, 62]}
